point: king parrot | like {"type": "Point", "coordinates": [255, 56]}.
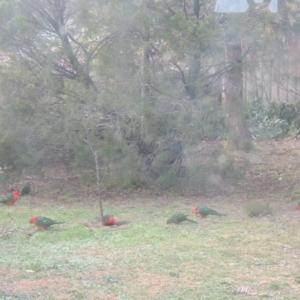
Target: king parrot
{"type": "Point", "coordinates": [11, 199]}
{"type": "Point", "coordinates": [204, 211]}
{"type": "Point", "coordinates": [109, 220]}
{"type": "Point", "coordinates": [42, 222]}
{"type": "Point", "coordinates": [297, 205]}
{"type": "Point", "coordinates": [178, 218]}
{"type": "Point", "coordinates": [26, 189]}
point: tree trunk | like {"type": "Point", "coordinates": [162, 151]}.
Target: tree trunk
{"type": "Point", "coordinates": [238, 137]}
{"type": "Point", "coordinates": [193, 78]}
{"type": "Point", "coordinates": [192, 85]}
{"type": "Point", "coordinates": [196, 8]}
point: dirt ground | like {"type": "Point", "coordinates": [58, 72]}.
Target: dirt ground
{"type": "Point", "coordinates": [272, 174]}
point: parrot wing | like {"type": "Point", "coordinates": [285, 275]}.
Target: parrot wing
{"type": "Point", "coordinates": [7, 199]}
{"type": "Point", "coordinates": [178, 218]}
{"type": "Point", "coordinates": [25, 190]}
{"type": "Point", "coordinates": [297, 201]}
{"type": "Point", "coordinates": [209, 211]}
{"type": "Point", "coordinates": [106, 217]}
{"type": "Point", "coordinates": [45, 222]}
{"type": "Point", "coordinates": [173, 219]}
{"type": "Point", "coordinates": [192, 221]}
{"type": "Point", "coordinates": [181, 217]}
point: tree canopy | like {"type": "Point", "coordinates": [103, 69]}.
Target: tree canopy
{"type": "Point", "coordinates": [140, 80]}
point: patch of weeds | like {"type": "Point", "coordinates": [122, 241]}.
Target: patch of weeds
{"type": "Point", "coordinates": [6, 236]}
{"type": "Point", "coordinates": [173, 274]}
{"type": "Point", "coordinates": [67, 196]}
{"type": "Point", "coordinates": [258, 209]}
{"type": "Point", "coordinates": [110, 279]}
{"type": "Point", "coordinates": [274, 286]}
{"type": "Point", "coordinates": [9, 296]}
{"type": "Point", "coordinates": [79, 295]}
{"type": "Point", "coordinates": [87, 180]}
{"type": "Point", "coordinates": [297, 279]}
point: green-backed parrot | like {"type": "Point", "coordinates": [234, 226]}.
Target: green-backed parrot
{"type": "Point", "coordinates": [108, 220]}
{"type": "Point", "coordinates": [178, 218]}
{"type": "Point", "coordinates": [42, 222]}
{"type": "Point", "coordinates": [26, 189]}
{"type": "Point", "coordinates": [204, 211]}
{"type": "Point", "coordinates": [11, 199]}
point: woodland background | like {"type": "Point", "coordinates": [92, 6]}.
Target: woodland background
{"type": "Point", "coordinates": [139, 84]}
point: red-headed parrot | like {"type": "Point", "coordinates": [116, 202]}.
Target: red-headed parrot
{"type": "Point", "coordinates": [204, 211]}
{"type": "Point", "coordinates": [42, 222]}
{"type": "Point", "coordinates": [26, 189]}
{"type": "Point", "coordinates": [178, 218]}
{"type": "Point", "coordinates": [297, 204]}
{"type": "Point", "coordinates": [109, 220]}
{"type": "Point", "coordinates": [11, 199]}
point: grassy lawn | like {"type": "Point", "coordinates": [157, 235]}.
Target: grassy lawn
{"type": "Point", "coordinates": [232, 257]}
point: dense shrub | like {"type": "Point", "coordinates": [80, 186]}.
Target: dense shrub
{"type": "Point", "coordinates": [273, 121]}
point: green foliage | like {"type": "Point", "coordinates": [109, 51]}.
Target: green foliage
{"type": "Point", "coordinates": [14, 153]}
{"type": "Point", "coordinates": [121, 81]}
{"type": "Point", "coordinates": [272, 121]}
{"type": "Point", "coordinates": [124, 173]}
{"type": "Point", "coordinates": [210, 168]}
{"type": "Point", "coordinates": [202, 121]}
{"type": "Point", "coordinates": [82, 157]}
{"type": "Point", "coordinates": [56, 112]}
{"type": "Point", "coordinates": [258, 209]}
{"type": "Point", "coordinates": [165, 175]}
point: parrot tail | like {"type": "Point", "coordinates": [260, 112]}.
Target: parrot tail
{"type": "Point", "coordinates": [220, 215]}
{"type": "Point", "coordinates": [192, 221]}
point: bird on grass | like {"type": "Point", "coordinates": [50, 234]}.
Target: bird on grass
{"type": "Point", "coordinates": [204, 211]}
{"type": "Point", "coordinates": [42, 222]}
{"type": "Point", "coordinates": [297, 204]}
{"type": "Point", "coordinates": [11, 199]}
{"type": "Point", "coordinates": [178, 218]}
{"type": "Point", "coordinates": [26, 189]}
{"type": "Point", "coordinates": [109, 220]}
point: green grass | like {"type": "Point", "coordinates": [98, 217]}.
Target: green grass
{"type": "Point", "coordinates": [258, 209]}
{"type": "Point", "coordinates": [233, 257]}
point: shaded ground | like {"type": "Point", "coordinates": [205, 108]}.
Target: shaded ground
{"type": "Point", "coordinates": [272, 177]}
{"type": "Point", "coordinates": [273, 170]}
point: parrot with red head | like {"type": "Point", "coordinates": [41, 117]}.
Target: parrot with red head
{"type": "Point", "coordinates": [43, 222]}
{"type": "Point", "coordinates": [11, 199]}
{"type": "Point", "coordinates": [204, 211]}
{"type": "Point", "coordinates": [297, 204]}
{"type": "Point", "coordinates": [109, 220]}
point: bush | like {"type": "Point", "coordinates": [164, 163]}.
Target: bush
{"type": "Point", "coordinates": [211, 169]}
{"type": "Point", "coordinates": [258, 209]}
{"type": "Point", "coordinates": [13, 153]}
{"type": "Point", "coordinates": [270, 122]}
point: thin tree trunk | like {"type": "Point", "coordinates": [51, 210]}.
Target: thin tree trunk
{"type": "Point", "coordinates": [262, 79]}
{"type": "Point", "coordinates": [196, 8]}
{"type": "Point", "coordinates": [238, 137]}
{"type": "Point", "coordinates": [271, 80]}
{"type": "Point", "coordinates": [287, 79]}
{"type": "Point", "coordinates": [192, 85]}
{"type": "Point", "coordinates": [98, 184]}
